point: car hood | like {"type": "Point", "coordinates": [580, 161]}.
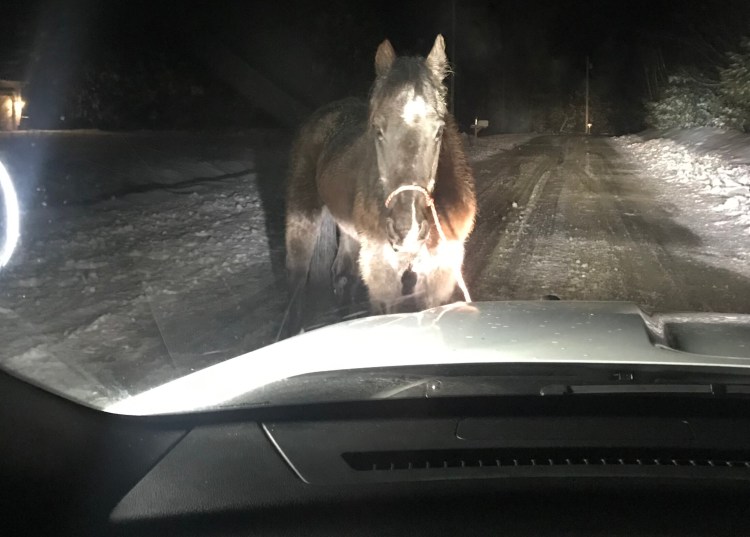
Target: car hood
{"type": "Point", "coordinates": [476, 333]}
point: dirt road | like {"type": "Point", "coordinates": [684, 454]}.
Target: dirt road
{"type": "Point", "coordinates": [570, 216]}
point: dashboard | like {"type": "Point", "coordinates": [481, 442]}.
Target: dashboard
{"type": "Point", "coordinates": [514, 465]}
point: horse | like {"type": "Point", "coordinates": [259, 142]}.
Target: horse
{"type": "Point", "coordinates": [389, 181]}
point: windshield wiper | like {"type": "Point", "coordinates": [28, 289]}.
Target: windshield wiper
{"type": "Point", "coordinates": [622, 388]}
{"type": "Point", "coordinates": [498, 380]}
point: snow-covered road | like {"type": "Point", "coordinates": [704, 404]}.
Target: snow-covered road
{"type": "Point", "coordinates": [588, 218]}
{"type": "Point", "coordinates": [145, 256]}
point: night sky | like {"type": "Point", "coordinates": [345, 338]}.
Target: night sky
{"type": "Point", "coordinates": [521, 64]}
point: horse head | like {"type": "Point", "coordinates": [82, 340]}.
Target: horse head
{"type": "Point", "coordinates": [407, 117]}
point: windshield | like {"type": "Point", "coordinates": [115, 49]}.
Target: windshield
{"type": "Point", "coordinates": [183, 186]}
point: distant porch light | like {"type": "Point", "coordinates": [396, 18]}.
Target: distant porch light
{"type": "Point", "coordinates": [11, 104]}
{"type": "Point", "coordinates": [18, 106]}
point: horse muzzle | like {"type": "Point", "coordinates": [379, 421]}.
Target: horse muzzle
{"type": "Point", "coordinates": [406, 239]}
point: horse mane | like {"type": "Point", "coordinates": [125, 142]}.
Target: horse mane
{"type": "Point", "coordinates": [454, 193]}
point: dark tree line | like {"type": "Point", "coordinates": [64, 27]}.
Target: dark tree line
{"type": "Point", "coordinates": [715, 95]}
{"type": "Point", "coordinates": [520, 64]}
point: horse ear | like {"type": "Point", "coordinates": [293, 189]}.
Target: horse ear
{"type": "Point", "coordinates": [384, 58]}
{"type": "Point", "coordinates": [437, 61]}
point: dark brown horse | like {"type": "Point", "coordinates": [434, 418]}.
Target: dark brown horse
{"type": "Point", "coordinates": [394, 178]}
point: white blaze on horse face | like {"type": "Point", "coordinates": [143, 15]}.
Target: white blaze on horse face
{"type": "Point", "coordinates": [411, 241]}
{"type": "Point", "coordinates": [415, 109]}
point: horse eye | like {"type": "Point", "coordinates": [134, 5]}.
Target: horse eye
{"type": "Point", "coordinates": [379, 133]}
{"type": "Point", "coordinates": [439, 133]}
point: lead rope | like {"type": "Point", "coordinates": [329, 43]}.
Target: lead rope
{"type": "Point", "coordinates": [431, 204]}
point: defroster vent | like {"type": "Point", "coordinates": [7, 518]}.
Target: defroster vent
{"type": "Point", "coordinates": [426, 460]}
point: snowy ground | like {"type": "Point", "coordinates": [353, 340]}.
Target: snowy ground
{"type": "Point", "coordinates": [145, 256]}
{"type": "Point", "coordinates": [707, 172]}
{"type": "Point", "coordinates": [142, 256]}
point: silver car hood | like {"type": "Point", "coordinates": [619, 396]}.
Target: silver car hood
{"type": "Point", "coordinates": [477, 333]}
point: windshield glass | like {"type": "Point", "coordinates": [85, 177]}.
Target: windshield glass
{"type": "Point", "coordinates": [184, 185]}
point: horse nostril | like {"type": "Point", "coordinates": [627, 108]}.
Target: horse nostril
{"type": "Point", "coordinates": [424, 229]}
{"type": "Point", "coordinates": [391, 231]}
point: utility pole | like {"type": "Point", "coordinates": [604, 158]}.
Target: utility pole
{"type": "Point", "coordinates": [453, 59]}
{"type": "Point", "coordinates": [587, 125]}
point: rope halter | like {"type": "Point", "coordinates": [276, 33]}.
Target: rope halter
{"type": "Point", "coordinates": [431, 204]}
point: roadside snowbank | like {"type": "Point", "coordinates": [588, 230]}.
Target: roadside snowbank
{"type": "Point", "coordinates": [732, 145]}
{"type": "Point", "coordinates": [716, 162]}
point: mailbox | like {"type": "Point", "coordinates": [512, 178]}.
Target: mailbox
{"type": "Point", "coordinates": [480, 124]}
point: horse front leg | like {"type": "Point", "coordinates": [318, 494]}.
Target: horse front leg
{"type": "Point", "coordinates": [301, 233]}
{"type": "Point", "coordinates": [378, 266]}
{"type": "Point", "coordinates": [436, 288]}
{"type": "Point", "coordinates": [437, 285]}
{"type": "Point", "coordinates": [344, 272]}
